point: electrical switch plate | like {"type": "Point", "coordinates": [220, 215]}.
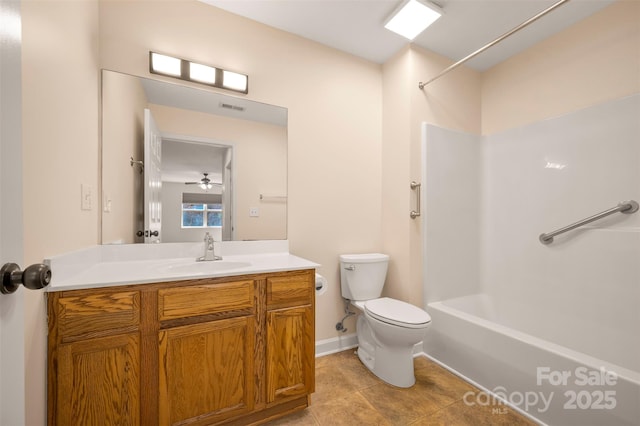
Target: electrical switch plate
{"type": "Point", "coordinates": [86, 197]}
{"type": "Point", "coordinates": [254, 212]}
{"type": "Point", "coordinates": [106, 204]}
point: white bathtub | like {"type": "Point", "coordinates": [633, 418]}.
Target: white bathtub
{"type": "Point", "coordinates": [554, 384]}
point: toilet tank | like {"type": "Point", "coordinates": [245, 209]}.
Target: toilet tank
{"type": "Point", "coordinates": [362, 275]}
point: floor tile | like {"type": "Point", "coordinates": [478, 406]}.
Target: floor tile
{"type": "Point", "coordinates": [398, 405]}
{"type": "Point", "coordinates": [354, 370]}
{"type": "Point", "coordinates": [443, 386]}
{"type": "Point", "coordinates": [351, 410]}
{"type": "Point", "coordinates": [347, 393]}
{"type": "Point", "coordinates": [462, 414]}
{"type": "Point", "coordinates": [330, 384]}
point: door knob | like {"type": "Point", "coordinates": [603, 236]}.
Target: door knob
{"type": "Point", "coordinates": [34, 277]}
{"type": "Point", "coordinates": [148, 233]}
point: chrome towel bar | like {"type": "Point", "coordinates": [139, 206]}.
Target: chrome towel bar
{"type": "Point", "coordinates": [626, 207]}
{"type": "Point", "coordinates": [416, 186]}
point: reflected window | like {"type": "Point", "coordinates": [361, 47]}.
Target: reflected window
{"type": "Point", "coordinates": [201, 211]}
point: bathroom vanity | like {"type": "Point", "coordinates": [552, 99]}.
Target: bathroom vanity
{"type": "Point", "coordinates": [229, 347]}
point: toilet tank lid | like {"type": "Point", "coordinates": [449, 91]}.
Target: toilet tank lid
{"type": "Point", "coordinates": [363, 258]}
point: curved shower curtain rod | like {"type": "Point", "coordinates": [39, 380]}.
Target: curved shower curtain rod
{"type": "Point", "coordinates": [421, 85]}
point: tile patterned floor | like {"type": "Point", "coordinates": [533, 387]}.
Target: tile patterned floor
{"type": "Point", "coordinates": [349, 394]}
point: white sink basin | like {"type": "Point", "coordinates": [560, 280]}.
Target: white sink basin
{"type": "Point", "coordinates": [206, 267]}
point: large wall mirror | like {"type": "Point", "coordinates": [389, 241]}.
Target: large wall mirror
{"type": "Point", "coordinates": [179, 161]}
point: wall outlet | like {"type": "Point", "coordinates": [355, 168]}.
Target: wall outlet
{"type": "Point", "coordinates": [254, 212]}
{"type": "Point", "coordinates": [86, 197]}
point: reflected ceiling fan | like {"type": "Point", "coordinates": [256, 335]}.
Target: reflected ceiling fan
{"type": "Point", "coordinates": [204, 183]}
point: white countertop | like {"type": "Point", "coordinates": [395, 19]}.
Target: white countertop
{"type": "Point", "coordinates": [105, 266]}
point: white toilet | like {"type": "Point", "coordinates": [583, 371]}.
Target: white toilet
{"type": "Point", "coordinates": [388, 329]}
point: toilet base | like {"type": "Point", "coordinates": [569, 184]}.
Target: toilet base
{"type": "Point", "coordinates": [400, 374]}
{"type": "Point", "coordinates": [394, 365]}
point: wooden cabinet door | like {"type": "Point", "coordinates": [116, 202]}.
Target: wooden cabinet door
{"type": "Point", "coordinates": [206, 371]}
{"type": "Point", "coordinates": [290, 353]}
{"type": "Point", "coordinates": [99, 381]}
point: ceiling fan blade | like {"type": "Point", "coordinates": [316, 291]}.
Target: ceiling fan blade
{"type": "Point", "coordinates": [204, 181]}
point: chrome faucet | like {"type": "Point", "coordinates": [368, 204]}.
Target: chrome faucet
{"type": "Point", "coordinates": [209, 251]}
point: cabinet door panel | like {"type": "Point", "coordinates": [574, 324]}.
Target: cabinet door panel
{"type": "Point", "coordinates": [290, 353]}
{"type": "Point", "coordinates": [99, 382]}
{"type": "Point", "coordinates": [206, 371]}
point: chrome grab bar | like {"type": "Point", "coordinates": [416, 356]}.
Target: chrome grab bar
{"type": "Point", "coordinates": [415, 213]}
{"type": "Point", "coordinates": [626, 207]}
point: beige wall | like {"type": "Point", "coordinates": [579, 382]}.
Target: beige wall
{"type": "Point", "coordinates": [123, 107]}
{"type": "Point", "coordinates": [354, 142]}
{"type": "Point", "coordinates": [595, 60]}
{"type": "Point", "coordinates": [260, 162]}
{"type": "Point", "coordinates": [453, 103]}
{"type": "Point", "coordinates": [60, 149]}
{"type": "Point", "coordinates": [334, 110]}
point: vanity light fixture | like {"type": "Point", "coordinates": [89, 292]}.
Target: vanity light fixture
{"type": "Point", "coordinates": [202, 73]}
{"type": "Point", "coordinates": [198, 73]}
{"type": "Point", "coordinates": [412, 17]}
{"type": "Point", "coordinates": [234, 81]}
{"type": "Point", "coordinates": [163, 64]}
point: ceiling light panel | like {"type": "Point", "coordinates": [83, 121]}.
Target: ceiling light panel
{"type": "Point", "coordinates": [412, 18]}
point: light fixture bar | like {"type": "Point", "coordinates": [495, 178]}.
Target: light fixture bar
{"type": "Point", "coordinates": [198, 73]}
{"type": "Point", "coordinates": [412, 18]}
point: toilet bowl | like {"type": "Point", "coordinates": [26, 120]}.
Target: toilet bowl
{"type": "Point", "coordinates": [387, 329]}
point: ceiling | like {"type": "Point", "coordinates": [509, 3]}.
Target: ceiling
{"type": "Point", "coordinates": [357, 26]}
{"type": "Point", "coordinates": [184, 161]}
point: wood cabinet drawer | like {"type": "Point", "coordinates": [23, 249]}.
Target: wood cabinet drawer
{"type": "Point", "coordinates": [98, 313]}
{"type": "Point", "coordinates": [206, 299]}
{"type": "Point", "coordinates": [289, 290]}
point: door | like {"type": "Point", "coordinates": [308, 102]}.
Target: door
{"type": "Point", "coordinates": [152, 179]}
{"type": "Point", "coordinates": [12, 384]}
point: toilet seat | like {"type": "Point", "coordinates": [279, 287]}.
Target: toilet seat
{"type": "Point", "coordinates": [397, 312]}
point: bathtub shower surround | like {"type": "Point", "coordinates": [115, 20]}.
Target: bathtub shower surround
{"type": "Point", "coordinates": [550, 328]}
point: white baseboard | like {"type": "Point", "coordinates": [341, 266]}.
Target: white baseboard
{"type": "Point", "coordinates": [417, 351]}
{"type": "Point", "coordinates": [336, 344]}
{"type": "Point", "coordinates": [348, 341]}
